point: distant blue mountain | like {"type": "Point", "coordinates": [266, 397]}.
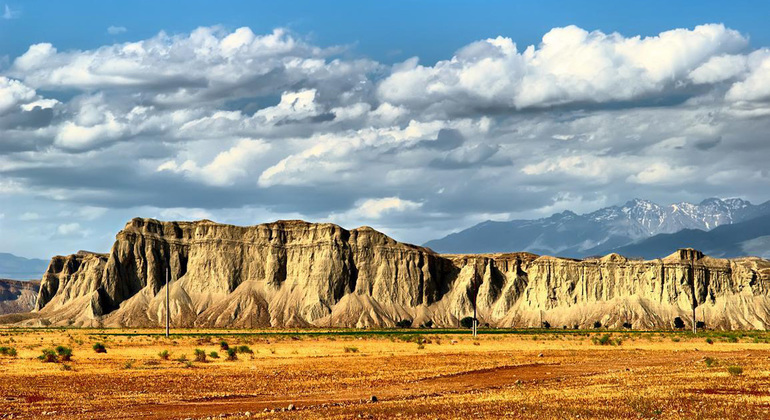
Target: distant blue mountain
{"type": "Point", "coordinates": [20, 268]}
{"type": "Point", "coordinates": [572, 235]}
{"type": "Point", "coordinates": [749, 238]}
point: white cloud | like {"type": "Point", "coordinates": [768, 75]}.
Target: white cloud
{"type": "Point", "coordinates": [9, 13]}
{"type": "Point", "coordinates": [29, 216]}
{"type": "Point", "coordinates": [227, 167]}
{"type": "Point", "coordinates": [67, 229]}
{"type": "Point", "coordinates": [663, 173]}
{"type": "Point", "coordinates": [116, 30]}
{"type": "Point", "coordinates": [375, 208]}
{"type": "Point", "coordinates": [14, 93]}
{"type": "Point", "coordinates": [570, 65]}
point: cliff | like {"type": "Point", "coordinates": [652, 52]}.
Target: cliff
{"type": "Point", "coordinates": [298, 274]}
{"type": "Point", "coordinates": [17, 296]}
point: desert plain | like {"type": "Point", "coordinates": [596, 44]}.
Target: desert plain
{"type": "Point", "coordinates": [409, 374]}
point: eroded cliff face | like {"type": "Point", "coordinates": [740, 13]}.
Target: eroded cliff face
{"type": "Point", "coordinates": [298, 274]}
{"type": "Point", "coordinates": [17, 296]}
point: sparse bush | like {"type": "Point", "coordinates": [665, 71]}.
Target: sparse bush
{"type": "Point", "coordinates": [99, 348]}
{"type": "Point", "coordinates": [224, 346]}
{"type": "Point", "coordinates": [232, 354]}
{"type": "Point", "coordinates": [245, 349]}
{"type": "Point", "coordinates": [182, 358]}
{"type": "Point", "coordinates": [709, 361]}
{"type": "Point", "coordinates": [732, 339]}
{"type": "Point", "coordinates": [676, 339]}
{"type": "Point", "coordinates": [404, 323]}
{"type": "Point", "coordinates": [164, 355]}
{"type": "Point", "coordinates": [351, 349]}
{"type": "Point", "coordinates": [734, 370]}
{"type": "Point", "coordinates": [200, 355]}
{"type": "Point", "coordinates": [8, 351]}
{"type": "Point", "coordinates": [421, 347]}
{"type": "Point", "coordinates": [66, 367]}
{"type": "Point", "coordinates": [64, 352]}
{"type": "Point", "coordinates": [597, 325]}
{"type": "Point", "coordinates": [467, 322]}
{"type": "Point", "coordinates": [49, 356]}
{"type": "Point", "coordinates": [214, 355]}
{"type": "Point", "coordinates": [129, 364]}
{"type": "Point", "coordinates": [710, 341]}
{"type": "Point", "coordinates": [606, 340]}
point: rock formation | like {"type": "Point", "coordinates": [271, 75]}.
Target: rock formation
{"type": "Point", "coordinates": [17, 296]}
{"type": "Point", "coordinates": [298, 274]}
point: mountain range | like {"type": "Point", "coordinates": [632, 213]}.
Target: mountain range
{"type": "Point", "coordinates": [611, 229]}
{"type": "Point", "coordinates": [20, 268]}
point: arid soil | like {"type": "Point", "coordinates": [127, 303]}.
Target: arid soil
{"type": "Point", "coordinates": [522, 374]}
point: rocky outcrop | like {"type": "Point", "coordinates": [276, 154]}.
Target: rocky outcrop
{"type": "Point", "coordinates": [298, 274]}
{"type": "Point", "coordinates": [17, 296]}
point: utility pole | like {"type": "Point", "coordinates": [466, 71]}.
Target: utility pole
{"type": "Point", "coordinates": [168, 270]}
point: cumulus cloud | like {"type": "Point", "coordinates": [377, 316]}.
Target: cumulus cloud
{"type": "Point", "coordinates": [13, 93]}
{"type": "Point", "coordinates": [571, 65]}
{"type": "Point", "coordinates": [375, 208]}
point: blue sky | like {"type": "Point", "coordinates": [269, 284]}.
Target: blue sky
{"type": "Point", "coordinates": [418, 118]}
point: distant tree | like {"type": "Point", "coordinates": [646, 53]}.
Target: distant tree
{"type": "Point", "coordinates": [404, 323]}
{"type": "Point", "coordinates": [627, 325]}
{"type": "Point", "coordinates": [546, 324]}
{"type": "Point", "coordinates": [597, 324]}
{"type": "Point", "coordinates": [678, 323]}
{"type": "Point", "coordinates": [700, 325]}
{"type": "Point", "coordinates": [427, 324]}
{"type": "Point", "coordinates": [467, 322]}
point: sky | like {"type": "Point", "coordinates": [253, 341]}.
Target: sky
{"type": "Point", "coordinates": [418, 118]}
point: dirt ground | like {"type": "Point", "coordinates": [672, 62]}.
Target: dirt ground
{"type": "Point", "coordinates": [441, 374]}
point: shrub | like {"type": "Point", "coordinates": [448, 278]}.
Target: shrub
{"type": "Point", "coordinates": [710, 341]}
{"type": "Point", "coordinates": [200, 355]}
{"type": "Point", "coordinates": [65, 353]}
{"type": "Point", "coordinates": [427, 324]}
{"type": "Point", "coordinates": [678, 323]}
{"type": "Point", "coordinates": [546, 325]}
{"type": "Point", "coordinates": [66, 367]}
{"type": "Point", "coordinates": [245, 349]}
{"type": "Point", "coordinates": [164, 355]}
{"type": "Point", "coordinates": [709, 361]}
{"type": "Point", "coordinates": [214, 355]}
{"type": "Point", "coordinates": [734, 370]}
{"type": "Point", "coordinates": [421, 347]}
{"type": "Point", "coordinates": [224, 346]}
{"type": "Point", "coordinates": [597, 325]}
{"type": "Point", "coordinates": [181, 358]}
{"type": "Point", "coordinates": [232, 354]}
{"type": "Point", "coordinates": [8, 351]}
{"type": "Point", "coordinates": [99, 348]}
{"type": "Point", "coordinates": [49, 356]}
{"type": "Point", "coordinates": [467, 322]}
{"type": "Point", "coordinates": [129, 364]}
{"type": "Point", "coordinates": [404, 323]}
{"type": "Point", "coordinates": [351, 349]}
{"type": "Point", "coordinates": [606, 340]}
{"type": "Point", "coordinates": [732, 339]}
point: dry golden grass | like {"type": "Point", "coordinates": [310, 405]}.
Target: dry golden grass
{"type": "Point", "coordinates": [548, 374]}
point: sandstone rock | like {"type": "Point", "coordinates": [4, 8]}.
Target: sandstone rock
{"type": "Point", "coordinates": [299, 274]}
{"type": "Point", "coordinates": [17, 296]}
